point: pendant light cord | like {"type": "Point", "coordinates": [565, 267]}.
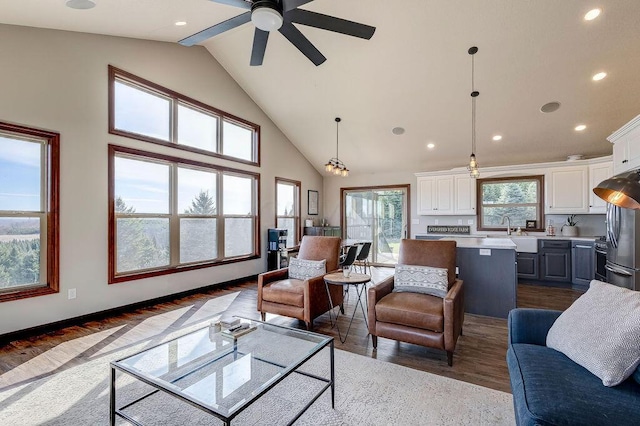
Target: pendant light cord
{"type": "Point", "coordinates": [473, 106]}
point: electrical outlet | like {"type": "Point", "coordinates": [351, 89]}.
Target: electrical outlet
{"type": "Point", "coordinates": [470, 222]}
{"type": "Point", "coordinates": [435, 221]}
{"type": "Point", "coordinates": [415, 221]}
{"type": "Point", "coordinates": [459, 221]}
{"type": "Point", "coordinates": [71, 293]}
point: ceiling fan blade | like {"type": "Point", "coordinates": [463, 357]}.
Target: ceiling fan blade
{"type": "Point", "coordinates": [330, 23]}
{"type": "Point", "coordinates": [229, 24]}
{"type": "Point", "coordinates": [302, 43]}
{"type": "Point", "coordinates": [260, 39]}
{"type": "Point", "coordinates": [237, 3]}
{"type": "Point", "coordinates": [292, 4]}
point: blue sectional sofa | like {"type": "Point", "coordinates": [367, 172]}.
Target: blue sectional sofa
{"type": "Point", "coordinates": [550, 389]}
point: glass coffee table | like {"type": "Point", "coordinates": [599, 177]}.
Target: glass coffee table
{"type": "Point", "coordinates": [220, 374]}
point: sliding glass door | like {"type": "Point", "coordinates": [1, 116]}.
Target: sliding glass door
{"type": "Point", "coordinates": [379, 215]}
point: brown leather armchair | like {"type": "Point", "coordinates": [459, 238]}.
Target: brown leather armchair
{"type": "Point", "coordinates": [418, 318]}
{"type": "Point", "coordinates": [301, 299]}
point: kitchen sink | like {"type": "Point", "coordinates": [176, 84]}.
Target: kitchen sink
{"type": "Point", "coordinates": [524, 243]}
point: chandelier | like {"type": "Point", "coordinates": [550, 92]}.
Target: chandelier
{"type": "Point", "coordinates": [334, 165]}
{"type": "Point", "coordinates": [474, 172]}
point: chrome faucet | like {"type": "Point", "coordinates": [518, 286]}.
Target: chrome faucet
{"type": "Point", "coordinates": [508, 223]}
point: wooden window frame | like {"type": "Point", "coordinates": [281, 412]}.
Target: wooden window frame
{"type": "Point", "coordinates": [174, 266]}
{"type": "Point", "coordinates": [296, 204]}
{"type": "Point", "coordinates": [539, 204]}
{"type": "Point", "coordinates": [50, 188]}
{"type": "Point", "coordinates": [176, 99]}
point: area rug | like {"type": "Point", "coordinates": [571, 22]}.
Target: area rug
{"type": "Point", "coordinates": [368, 392]}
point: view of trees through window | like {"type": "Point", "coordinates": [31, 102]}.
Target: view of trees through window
{"type": "Point", "coordinates": [378, 215]}
{"type": "Point", "coordinates": [19, 252]}
{"type": "Point", "coordinates": [518, 198]}
{"type": "Point", "coordinates": [167, 213]}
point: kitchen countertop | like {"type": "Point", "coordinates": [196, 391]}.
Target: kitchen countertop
{"type": "Point", "coordinates": [489, 243]}
{"type": "Point", "coordinates": [505, 236]}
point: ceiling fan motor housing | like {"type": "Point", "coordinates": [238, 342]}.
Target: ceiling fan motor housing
{"type": "Point", "coordinates": [267, 15]}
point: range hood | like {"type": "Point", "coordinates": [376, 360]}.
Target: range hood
{"type": "Point", "coordinates": [622, 190]}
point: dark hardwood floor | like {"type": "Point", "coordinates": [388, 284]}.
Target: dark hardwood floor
{"type": "Point", "coordinates": [479, 357]}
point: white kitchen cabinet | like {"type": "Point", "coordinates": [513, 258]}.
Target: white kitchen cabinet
{"type": "Point", "coordinates": [435, 195]}
{"type": "Point", "coordinates": [566, 190]}
{"type": "Point", "coordinates": [465, 195]}
{"type": "Point", "coordinates": [626, 147]}
{"type": "Point", "coordinates": [598, 173]}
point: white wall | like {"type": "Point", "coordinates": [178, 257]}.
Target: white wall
{"type": "Point", "coordinates": [57, 81]}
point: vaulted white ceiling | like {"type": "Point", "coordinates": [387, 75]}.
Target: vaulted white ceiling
{"type": "Point", "coordinates": [413, 73]}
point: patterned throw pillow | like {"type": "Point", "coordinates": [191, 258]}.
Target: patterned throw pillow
{"type": "Point", "coordinates": [301, 269]}
{"type": "Point", "coordinates": [601, 332]}
{"type": "Point", "coordinates": [421, 279]}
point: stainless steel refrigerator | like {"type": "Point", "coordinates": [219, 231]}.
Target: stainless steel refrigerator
{"type": "Point", "coordinates": [623, 247]}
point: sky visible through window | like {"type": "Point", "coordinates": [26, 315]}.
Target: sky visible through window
{"type": "Point", "coordinates": [144, 186]}
{"type": "Point", "coordinates": [19, 175]}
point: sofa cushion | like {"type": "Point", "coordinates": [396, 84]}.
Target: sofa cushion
{"type": "Point", "coordinates": [302, 269]}
{"type": "Point", "coordinates": [636, 375]}
{"type": "Point", "coordinates": [550, 389]}
{"type": "Point", "coordinates": [413, 310]}
{"type": "Point", "coordinates": [286, 292]}
{"type": "Point", "coordinates": [613, 315]}
{"type": "Point", "coordinates": [421, 279]}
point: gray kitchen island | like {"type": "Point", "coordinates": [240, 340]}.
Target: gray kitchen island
{"type": "Point", "coordinates": [489, 270]}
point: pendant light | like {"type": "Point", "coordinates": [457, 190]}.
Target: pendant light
{"type": "Point", "coordinates": [622, 190]}
{"type": "Point", "coordinates": [334, 165]}
{"type": "Point", "coordinates": [474, 172]}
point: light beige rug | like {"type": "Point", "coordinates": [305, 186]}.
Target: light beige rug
{"type": "Point", "coordinates": [368, 392]}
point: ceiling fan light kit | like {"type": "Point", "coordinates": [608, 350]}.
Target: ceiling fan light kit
{"type": "Point", "coordinates": [266, 15]}
{"type": "Point", "coordinates": [270, 15]}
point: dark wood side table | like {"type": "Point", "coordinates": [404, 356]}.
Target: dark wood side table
{"type": "Point", "coordinates": [360, 282]}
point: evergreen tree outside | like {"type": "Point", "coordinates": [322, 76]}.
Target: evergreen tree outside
{"type": "Point", "coordinates": [142, 242]}
{"type": "Point", "coordinates": [202, 204]}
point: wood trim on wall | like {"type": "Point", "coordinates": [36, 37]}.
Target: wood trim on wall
{"type": "Point", "coordinates": [298, 218]}
{"type": "Point", "coordinates": [52, 212]}
{"type": "Point", "coordinates": [539, 178]}
{"type": "Point", "coordinates": [112, 277]}
{"type": "Point", "coordinates": [370, 188]}
{"type": "Point", "coordinates": [222, 115]}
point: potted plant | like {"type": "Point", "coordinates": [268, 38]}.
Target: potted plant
{"type": "Point", "coordinates": [570, 229]}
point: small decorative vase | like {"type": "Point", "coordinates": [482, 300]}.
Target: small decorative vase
{"type": "Point", "coordinates": [569, 231]}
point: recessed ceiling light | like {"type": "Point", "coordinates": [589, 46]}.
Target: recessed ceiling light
{"type": "Point", "coordinates": [80, 4]}
{"type": "Point", "coordinates": [580, 127]}
{"type": "Point", "coordinates": [397, 130]}
{"type": "Point", "coordinates": [497, 138]}
{"type": "Point", "coordinates": [431, 145]}
{"type": "Point", "coordinates": [550, 107]}
{"type": "Point", "coordinates": [180, 23]}
{"type": "Point", "coordinates": [592, 14]}
{"type": "Point", "coordinates": [599, 76]}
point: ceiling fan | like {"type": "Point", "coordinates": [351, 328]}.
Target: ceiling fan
{"type": "Point", "coordinates": [271, 15]}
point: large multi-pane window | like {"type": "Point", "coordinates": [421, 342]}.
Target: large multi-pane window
{"type": "Point", "coordinates": [143, 110]}
{"type": "Point", "coordinates": [29, 180]}
{"type": "Point", "coordinates": [288, 209]}
{"type": "Point", "coordinates": [170, 214]}
{"type": "Point", "coordinates": [518, 198]}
